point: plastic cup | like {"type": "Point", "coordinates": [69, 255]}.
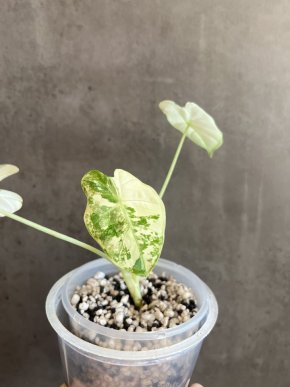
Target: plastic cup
{"type": "Point", "coordinates": [88, 365]}
{"type": "Point", "coordinates": [114, 339]}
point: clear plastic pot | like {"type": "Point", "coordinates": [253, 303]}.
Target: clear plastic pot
{"type": "Point", "coordinates": [89, 365]}
{"type": "Point", "coordinates": [114, 339]}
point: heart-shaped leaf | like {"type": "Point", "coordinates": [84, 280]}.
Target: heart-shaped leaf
{"type": "Point", "coordinates": [126, 217]}
{"type": "Point", "coordinates": [200, 126]}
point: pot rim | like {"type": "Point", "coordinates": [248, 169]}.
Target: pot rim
{"type": "Point", "coordinates": [132, 336]}
{"type": "Point", "coordinates": [92, 350]}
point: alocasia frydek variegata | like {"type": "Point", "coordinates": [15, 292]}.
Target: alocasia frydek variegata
{"type": "Point", "coordinates": [124, 215]}
{"type": "Point", "coordinates": [127, 218]}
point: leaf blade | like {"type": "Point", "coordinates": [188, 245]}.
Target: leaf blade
{"type": "Point", "coordinates": [202, 129]}
{"type": "Point", "coordinates": [126, 217]}
{"type": "Point", "coordinates": [7, 170]}
{"type": "Point", "coordinates": [9, 201]}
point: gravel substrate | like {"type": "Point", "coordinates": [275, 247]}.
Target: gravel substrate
{"type": "Point", "coordinates": [105, 300]}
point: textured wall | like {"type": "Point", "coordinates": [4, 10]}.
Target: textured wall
{"type": "Point", "coordinates": [79, 85]}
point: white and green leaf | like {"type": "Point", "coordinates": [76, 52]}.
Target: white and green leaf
{"type": "Point", "coordinates": [126, 217]}
{"type": "Point", "coordinates": [200, 127]}
{"type": "Point", "coordinates": [9, 201]}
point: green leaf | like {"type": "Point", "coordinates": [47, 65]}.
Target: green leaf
{"type": "Point", "coordinates": [126, 217]}
{"type": "Point", "coordinates": [9, 201]}
{"type": "Point", "coordinates": [201, 127]}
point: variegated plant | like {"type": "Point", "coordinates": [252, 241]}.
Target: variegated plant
{"type": "Point", "coordinates": [125, 216]}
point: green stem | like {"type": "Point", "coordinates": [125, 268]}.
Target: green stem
{"type": "Point", "coordinates": [132, 280]}
{"type": "Point", "coordinates": [133, 284]}
{"type": "Point", "coordinates": [174, 161]}
{"type": "Point", "coordinates": [53, 233]}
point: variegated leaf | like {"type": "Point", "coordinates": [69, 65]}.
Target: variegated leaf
{"type": "Point", "coordinates": [201, 127]}
{"type": "Point", "coordinates": [126, 217]}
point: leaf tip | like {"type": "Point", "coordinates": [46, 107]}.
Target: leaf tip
{"type": "Point", "coordinates": [164, 104]}
{"type": "Point", "coordinates": [7, 170]}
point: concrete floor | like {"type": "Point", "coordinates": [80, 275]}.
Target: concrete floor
{"type": "Point", "coordinates": [80, 83]}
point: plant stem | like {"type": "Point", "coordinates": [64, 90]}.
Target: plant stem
{"type": "Point", "coordinates": [174, 161]}
{"type": "Point", "coordinates": [53, 233]}
{"type": "Point", "coordinates": [132, 280]}
{"type": "Point", "coordinates": [133, 284]}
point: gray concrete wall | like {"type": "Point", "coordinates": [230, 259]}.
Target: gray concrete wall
{"type": "Point", "coordinates": [80, 83]}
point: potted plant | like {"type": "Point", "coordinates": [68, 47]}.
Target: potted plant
{"type": "Point", "coordinates": [117, 321]}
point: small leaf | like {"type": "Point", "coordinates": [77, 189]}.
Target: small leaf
{"type": "Point", "coordinates": [126, 217]}
{"type": "Point", "coordinates": [7, 170]}
{"type": "Point", "coordinates": [201, 127]}
{"type": "Point", "coordinates": [9, 201]}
